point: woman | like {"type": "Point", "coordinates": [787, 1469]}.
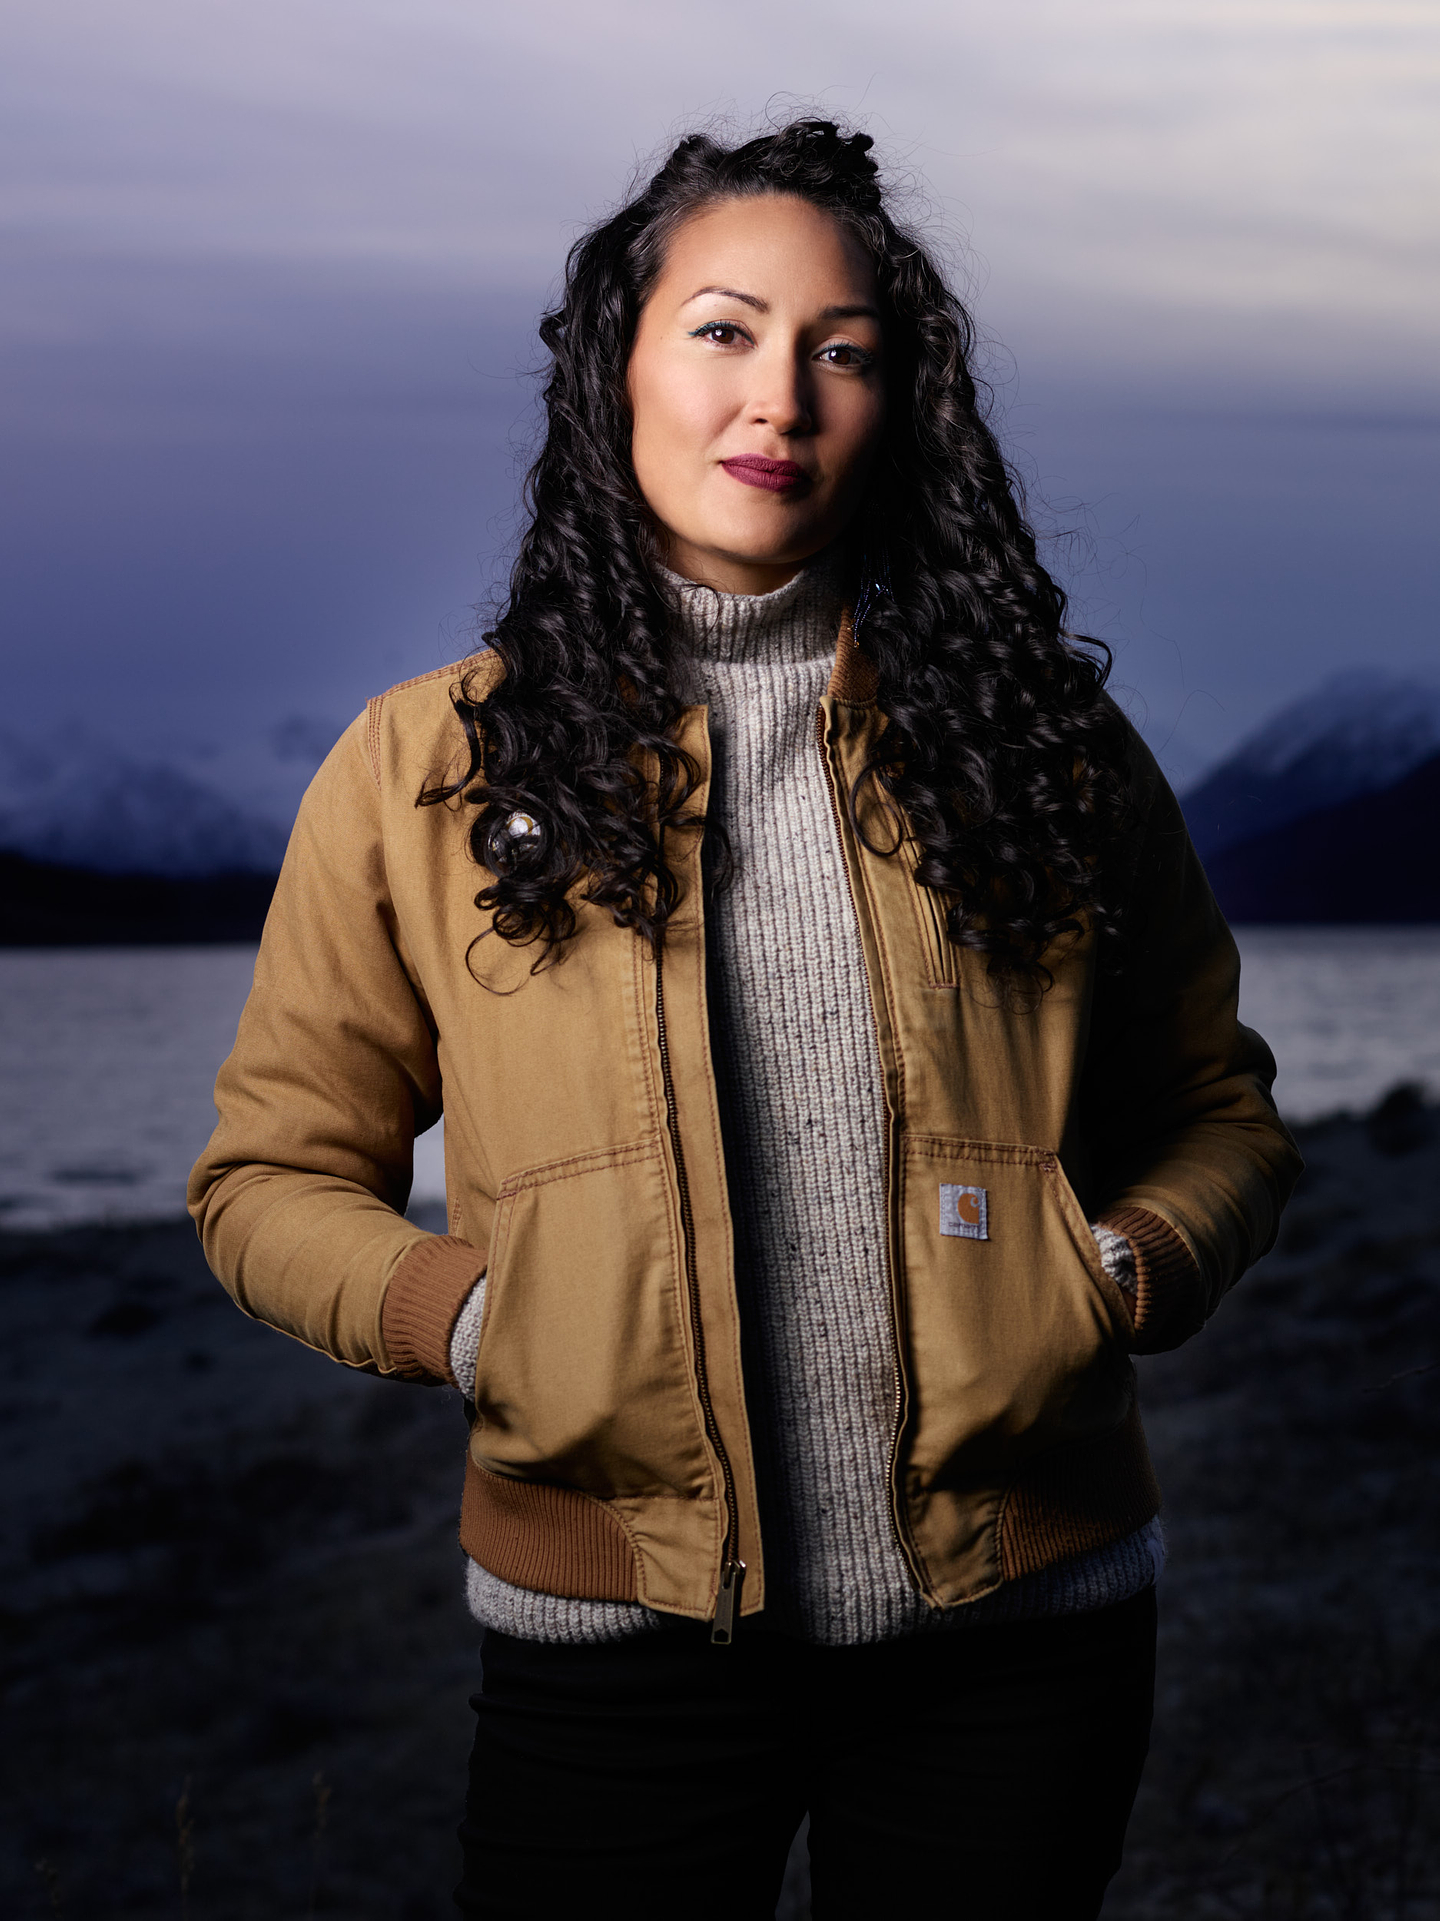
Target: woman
{"type": "Point", "coordinates": [805, 951]}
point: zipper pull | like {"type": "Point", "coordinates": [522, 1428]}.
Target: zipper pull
{"type": "Point", "coordinates": [727, 1605]}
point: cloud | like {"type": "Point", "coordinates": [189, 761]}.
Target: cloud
{"type": "Point", "coordinates": [1134, 163]}
{"type": "Point", "coordinates": [273, 267]}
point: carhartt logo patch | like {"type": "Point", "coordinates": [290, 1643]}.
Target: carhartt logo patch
{"type": "Point", "coordinates": [964, 1212]}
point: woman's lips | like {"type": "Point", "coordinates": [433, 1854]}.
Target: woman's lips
{"type": "Point", "coordinates": [776, 476]}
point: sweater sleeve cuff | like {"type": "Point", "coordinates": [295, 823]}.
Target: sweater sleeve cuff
{"type": "Point", "coordinates": [1166, 1276]}
{"type": "Point", "coordinates": [424, 1298]}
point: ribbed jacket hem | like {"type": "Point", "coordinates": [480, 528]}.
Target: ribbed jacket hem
{"type": "Point", "coordinates": [1096, 1580]}
{"type": "Point", "coordinates": [424, 1298]}
{"type": "Point", "coordinates": [1167, 1281]}
{"type": "Point", "coordinates": [1072, 1500]}
{"type": "Point", "coordinates": [555, 1540]}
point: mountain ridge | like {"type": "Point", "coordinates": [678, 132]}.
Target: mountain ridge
{"type": "Point", "coordinates": [1368, 861]}
{"type": "Point", "coordinates": [77, 801]}
{"type": "Point", "coordinates": [1356, 733]}
{"type": "Point", "coordinates": [1262, 820]}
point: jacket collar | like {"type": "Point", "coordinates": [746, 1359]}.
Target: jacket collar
{"type": "Point", "coordinates": [853, 681]}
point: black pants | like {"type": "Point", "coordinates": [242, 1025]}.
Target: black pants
{"type": "Point", "coordinates": [986, 1773]}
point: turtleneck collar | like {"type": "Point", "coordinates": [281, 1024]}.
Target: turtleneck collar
{"type": "Point", "coordinates": [796, 622]}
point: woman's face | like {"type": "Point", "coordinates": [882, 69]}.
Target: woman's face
{"type": "Point", "coordinates": [757, 389]}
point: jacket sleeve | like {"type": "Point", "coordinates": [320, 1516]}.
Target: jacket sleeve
{"type": "Point", "coordinates": [300, 1196]}
{"type": "Point", "coordinates": [1193, 1162]}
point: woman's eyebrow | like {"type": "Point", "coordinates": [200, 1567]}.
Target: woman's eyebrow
{"type": "Point", "coordinates": [731, 293]}
{"type": "Point", "coordinates": [856, 310]}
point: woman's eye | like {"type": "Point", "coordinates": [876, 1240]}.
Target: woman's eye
{"type": "Point", "coordinates": [844, 353]}
{"type": "Point", "coordinates": [723, 332]}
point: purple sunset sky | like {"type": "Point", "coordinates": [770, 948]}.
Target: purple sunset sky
{"type": "Point", "coordinates": [274, 265]}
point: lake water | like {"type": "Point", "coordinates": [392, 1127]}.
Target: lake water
{"type": "Point", "coordinates": [108, 1056]}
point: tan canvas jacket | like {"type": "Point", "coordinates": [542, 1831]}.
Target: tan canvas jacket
{"type": "Point", "coordinates": [609, 1453]}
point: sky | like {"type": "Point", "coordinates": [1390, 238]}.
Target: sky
{"type": "Point", "coordinates": [273, 268]}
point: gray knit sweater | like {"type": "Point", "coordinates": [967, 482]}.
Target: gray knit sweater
{"type": "Point", "coordinates": [804, 1130]}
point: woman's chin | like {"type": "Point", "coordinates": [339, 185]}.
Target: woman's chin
{"type": "Point", "coordinates": [729, 557]}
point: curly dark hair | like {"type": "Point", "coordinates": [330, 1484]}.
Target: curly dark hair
{"type": "Point", "coordinates": [1001, 746]}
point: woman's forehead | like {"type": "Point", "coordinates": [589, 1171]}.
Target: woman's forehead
{"type": "Point", "coordinates": [765, 247]}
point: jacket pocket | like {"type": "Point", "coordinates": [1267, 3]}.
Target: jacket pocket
{"type": "Point", "coordinates": [1017, 1339]}
{"type": "Point", "coordinates": [584, 1376]}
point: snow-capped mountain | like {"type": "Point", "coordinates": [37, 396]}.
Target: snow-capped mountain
{"type": "Point", "coordinates": [1365, 861]}
{"type": "Point", "coordinates": [197, 808]}
{"type": "Point", "coordinates": [77, 800]}
{"type": "Point", "coordinates": [1357, 733]}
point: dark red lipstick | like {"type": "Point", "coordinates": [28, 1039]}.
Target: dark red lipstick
{"type": "Point", "coordinates": [776, 476]}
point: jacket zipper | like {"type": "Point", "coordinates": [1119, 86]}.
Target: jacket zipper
{"type": "Point", "coordinates": [732, 1569]}
{"type": "Point", "coordinates": [896, 1351]}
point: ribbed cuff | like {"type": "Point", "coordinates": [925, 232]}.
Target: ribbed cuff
{"type": "Point", "coordinates": [424, 1298]}
{"type": "Point", "coordinates": [1166, 1277]}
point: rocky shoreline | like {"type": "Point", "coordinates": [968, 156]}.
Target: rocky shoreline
{"type": "Point", "coordinates": [237, 1655]}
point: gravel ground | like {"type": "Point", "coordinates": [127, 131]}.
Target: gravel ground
{"type": "Point", "coordinates": [235, 1669]}
{"type": "Point", "coordinates": [1296, 1758]}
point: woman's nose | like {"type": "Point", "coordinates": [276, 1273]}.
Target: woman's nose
{"type": "Point", "coordinates": [781, 398]}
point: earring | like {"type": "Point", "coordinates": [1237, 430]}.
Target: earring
{"type": "Point", "coordinates": [874, 584]}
